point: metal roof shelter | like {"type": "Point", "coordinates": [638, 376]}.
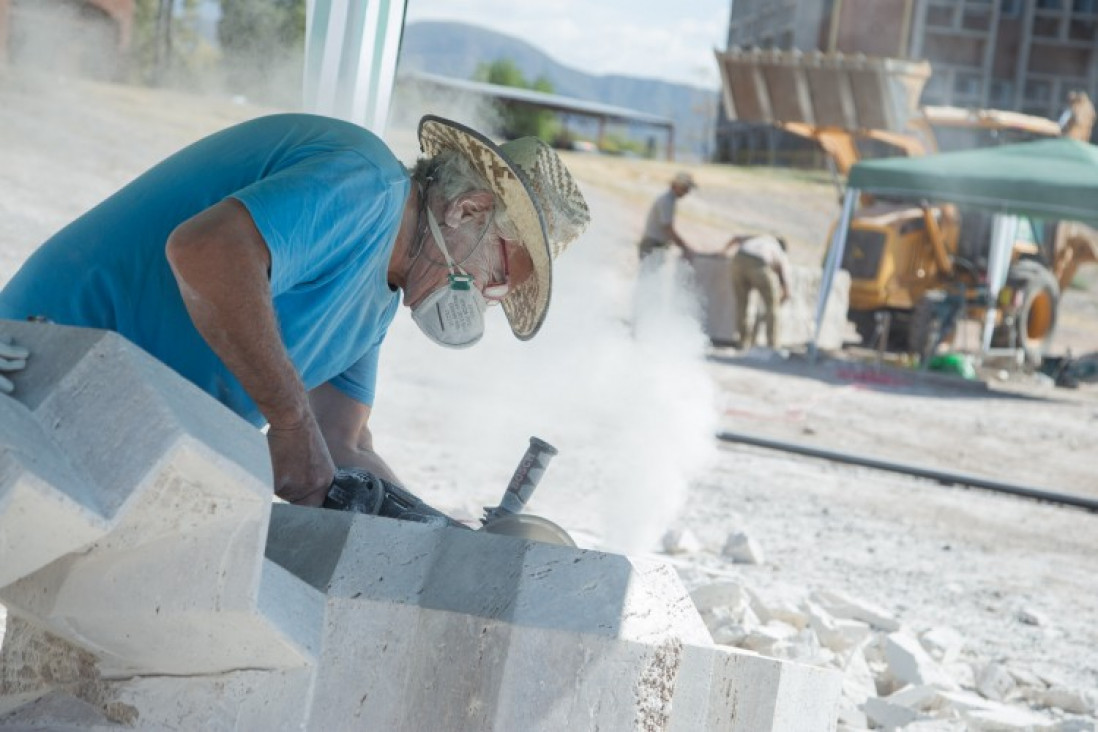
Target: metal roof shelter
{"type": "Point", "coordinates": [554, 102]}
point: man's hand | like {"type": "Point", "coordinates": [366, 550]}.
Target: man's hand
{"type": "Point", "coordinates": [12, 358]}
{"type": "Point", "coordinates": [303, 468]}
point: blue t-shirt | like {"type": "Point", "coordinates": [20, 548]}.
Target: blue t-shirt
{"type": "Point", "coordinates": [327, 197]}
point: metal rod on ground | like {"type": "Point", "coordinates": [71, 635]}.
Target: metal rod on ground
{"type": "Point", "coordinates": [941, 476]}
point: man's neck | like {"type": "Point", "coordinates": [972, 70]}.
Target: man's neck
{"type": "Point", "coordinates": [406, 240]}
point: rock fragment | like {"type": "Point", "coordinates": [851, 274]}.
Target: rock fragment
{"type": "Point", "coordinates": [1073, 701]}
{"type": "Point", "coordinates": [943, 643]}
{"type": "Point", "coordinates": [994, 681]}
{"type": "Point", "coordinates": [742, 549]}
{"type": "Point", "coordinates": [841, 605]}
{"type": "Point", "coordinates": [909, 663]}
{"type": "Point", "coordinates": [681, 541]}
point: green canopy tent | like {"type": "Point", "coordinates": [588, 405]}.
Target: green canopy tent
{"type": "Point", "coordinates": [1047, 179]}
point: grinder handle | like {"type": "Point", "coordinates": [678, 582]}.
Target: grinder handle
{"type": "Point", "coordinates": [526, 478]}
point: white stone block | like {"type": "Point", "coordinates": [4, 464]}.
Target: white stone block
{"type": "Point", "coordinates": [731, 595]}
{"type": "Point", "coordinates": [1073, 701]}
{"type": "Point", "coordinates": [681, 541]}
{"type": "Point", "coordinates": [768, 694]}
{"type": "Point", "coordinates": [885, 714]}
{"type": "Point", "coordinates": [838, 634]}
{"type": "Point", "coordinates": [47, 509]}
{"type": "Point", "coordinates": [184, 486]}
{"type": "Point", "coordinates": [730, 634]}
{"type": "Point", "coordinates": [994, 681]}
{"type": "Point", "coordinates": [1029, 616]}
{"type": "Point", "coordinates": [851, 717]}
{"type": "Point", "coordinates": [965, 701]}
{"type": "Point", "coordinates": [910, 664]}
{"type": "Point", "coordinates": [936, 725]}
{"type": "Point", "coordinates": [477, 619]}
{"type": "Point", "coordinates": [1026, 678]}
{"type": "Point", "coordinates": [805, 647]}
{"type": "Point", "coordinates": [742, 549]}
{"type": "Point", "coordinates": [943, 643]}
{"type": "Point", "coordinates": [1007, 719]}
{"type": "Point", "coordinates": [919, 698]}
{"type": "Point", "coordinates": [858, 682]}
{"type": "Point", "coordinates": [770, 606]}
{"type": "Point", "coordinates": [764, 638]}
{"type": "Point", "coordinates": [841, 605]}
{"type": "Point", "coordinates": [962, 672]}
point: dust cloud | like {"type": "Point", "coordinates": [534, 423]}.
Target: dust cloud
{"type": "Point", "coordinates": [615, 380]}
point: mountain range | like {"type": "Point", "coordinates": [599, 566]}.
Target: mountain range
{"type": "Point", "coordinates": [456, 50]}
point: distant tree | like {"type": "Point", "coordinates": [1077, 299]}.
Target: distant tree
{"type": "Point", "coordinates": [165, 46]}
{"type": "Point", "coordinates": [151, 43]}
{"type": "Point", "coordinates": [520, 120]}
{"type": "Point", "coordinates": [257, 38]}
{"type": "Point", "coordinates": [613, 144]}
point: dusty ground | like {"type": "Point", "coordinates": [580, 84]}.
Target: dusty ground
{"type": "Point", "coordinates": [634, 411]}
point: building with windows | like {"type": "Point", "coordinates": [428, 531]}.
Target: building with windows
{"type": "Point", "coordinates": [1019, 55]}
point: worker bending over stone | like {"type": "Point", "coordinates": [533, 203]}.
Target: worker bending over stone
{"type": "Point", "coordinates": [760, 264]}
{"type": "Point", "coordinates": [266, 262]}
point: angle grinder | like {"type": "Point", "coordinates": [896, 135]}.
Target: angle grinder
{"type": "Point", "coordinates": [354, 489]}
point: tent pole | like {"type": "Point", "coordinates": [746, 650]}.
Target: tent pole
{"type": "Point", "coordinates": [1004, 232]}
{"type": "Point", "coordinates": [831, 263]}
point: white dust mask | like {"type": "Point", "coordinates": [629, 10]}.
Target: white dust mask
{"type": "Point", "coordinates": [452, 315]}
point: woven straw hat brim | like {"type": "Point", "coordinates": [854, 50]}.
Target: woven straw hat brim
{"type": "Point", "coordinates": [525, 306]}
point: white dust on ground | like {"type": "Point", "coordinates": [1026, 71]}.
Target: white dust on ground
{"type": "Point", "coordinates": [633, 414]}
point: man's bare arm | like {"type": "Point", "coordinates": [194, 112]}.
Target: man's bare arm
{"type": "Point", "coordinates": [221, 264]}
{"type": "Point", "coordinates": [673, 236]}
{"type": "Point", "coordinates": [344, 422]}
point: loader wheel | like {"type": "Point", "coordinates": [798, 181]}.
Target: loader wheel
{"type": "Point", "coordinates": [1035, 318]}
{"type": "Point", "coordinates": [924, 331]}
{"type": "Point", "coordinates": [865, 323]}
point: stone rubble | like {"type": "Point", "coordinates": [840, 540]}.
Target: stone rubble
{"type": "Point", "coordinates": [894, 678]}
{"type": "Point", "coordinates": [742, 549]}
{"type": "Point", "coordinates": [681, 541]}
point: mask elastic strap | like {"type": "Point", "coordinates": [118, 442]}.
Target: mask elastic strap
{"type": "Point", "coordinates": [436, 234]}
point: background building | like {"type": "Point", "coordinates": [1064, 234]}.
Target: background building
{"type": "Point", "coordinates": [1019, 55]}
{"type": "Point", "coordinates": [88, 36]}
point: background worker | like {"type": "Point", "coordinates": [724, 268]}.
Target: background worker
{"type": "Point", "coordinates": [761, 264]}
{"type": "Point", "coordinates": [266, 262]}
{"type": "Point", "coordinates": [659, 227]}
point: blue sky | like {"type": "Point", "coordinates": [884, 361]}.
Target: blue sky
{"type": "Point", "coordinates": [661, 39]}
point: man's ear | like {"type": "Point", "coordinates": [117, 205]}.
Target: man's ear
{"type": "Point", "coordinates": [468, 206]}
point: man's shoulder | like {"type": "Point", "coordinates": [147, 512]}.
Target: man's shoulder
{"type": "Point", "coordinates": [313, 132]}
{"type": "Point", "coordinates": [306, 120]}
{"type": "Point", "coordinates": [664, 200]}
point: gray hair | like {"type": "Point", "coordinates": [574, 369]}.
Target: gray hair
{"type": "Point", "coordinates": [452, 174]}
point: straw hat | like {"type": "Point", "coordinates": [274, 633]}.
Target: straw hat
{"type": "Point", "coordinates": [685, 180]}
{"type": "Point", "coordinates": [541, 199]}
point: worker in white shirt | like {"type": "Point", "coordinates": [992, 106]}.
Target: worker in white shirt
{"type": "Point", "coordinates": [760, 263]}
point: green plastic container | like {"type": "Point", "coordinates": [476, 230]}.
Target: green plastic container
{"type": "Point", "coordinates": [953, 363]}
